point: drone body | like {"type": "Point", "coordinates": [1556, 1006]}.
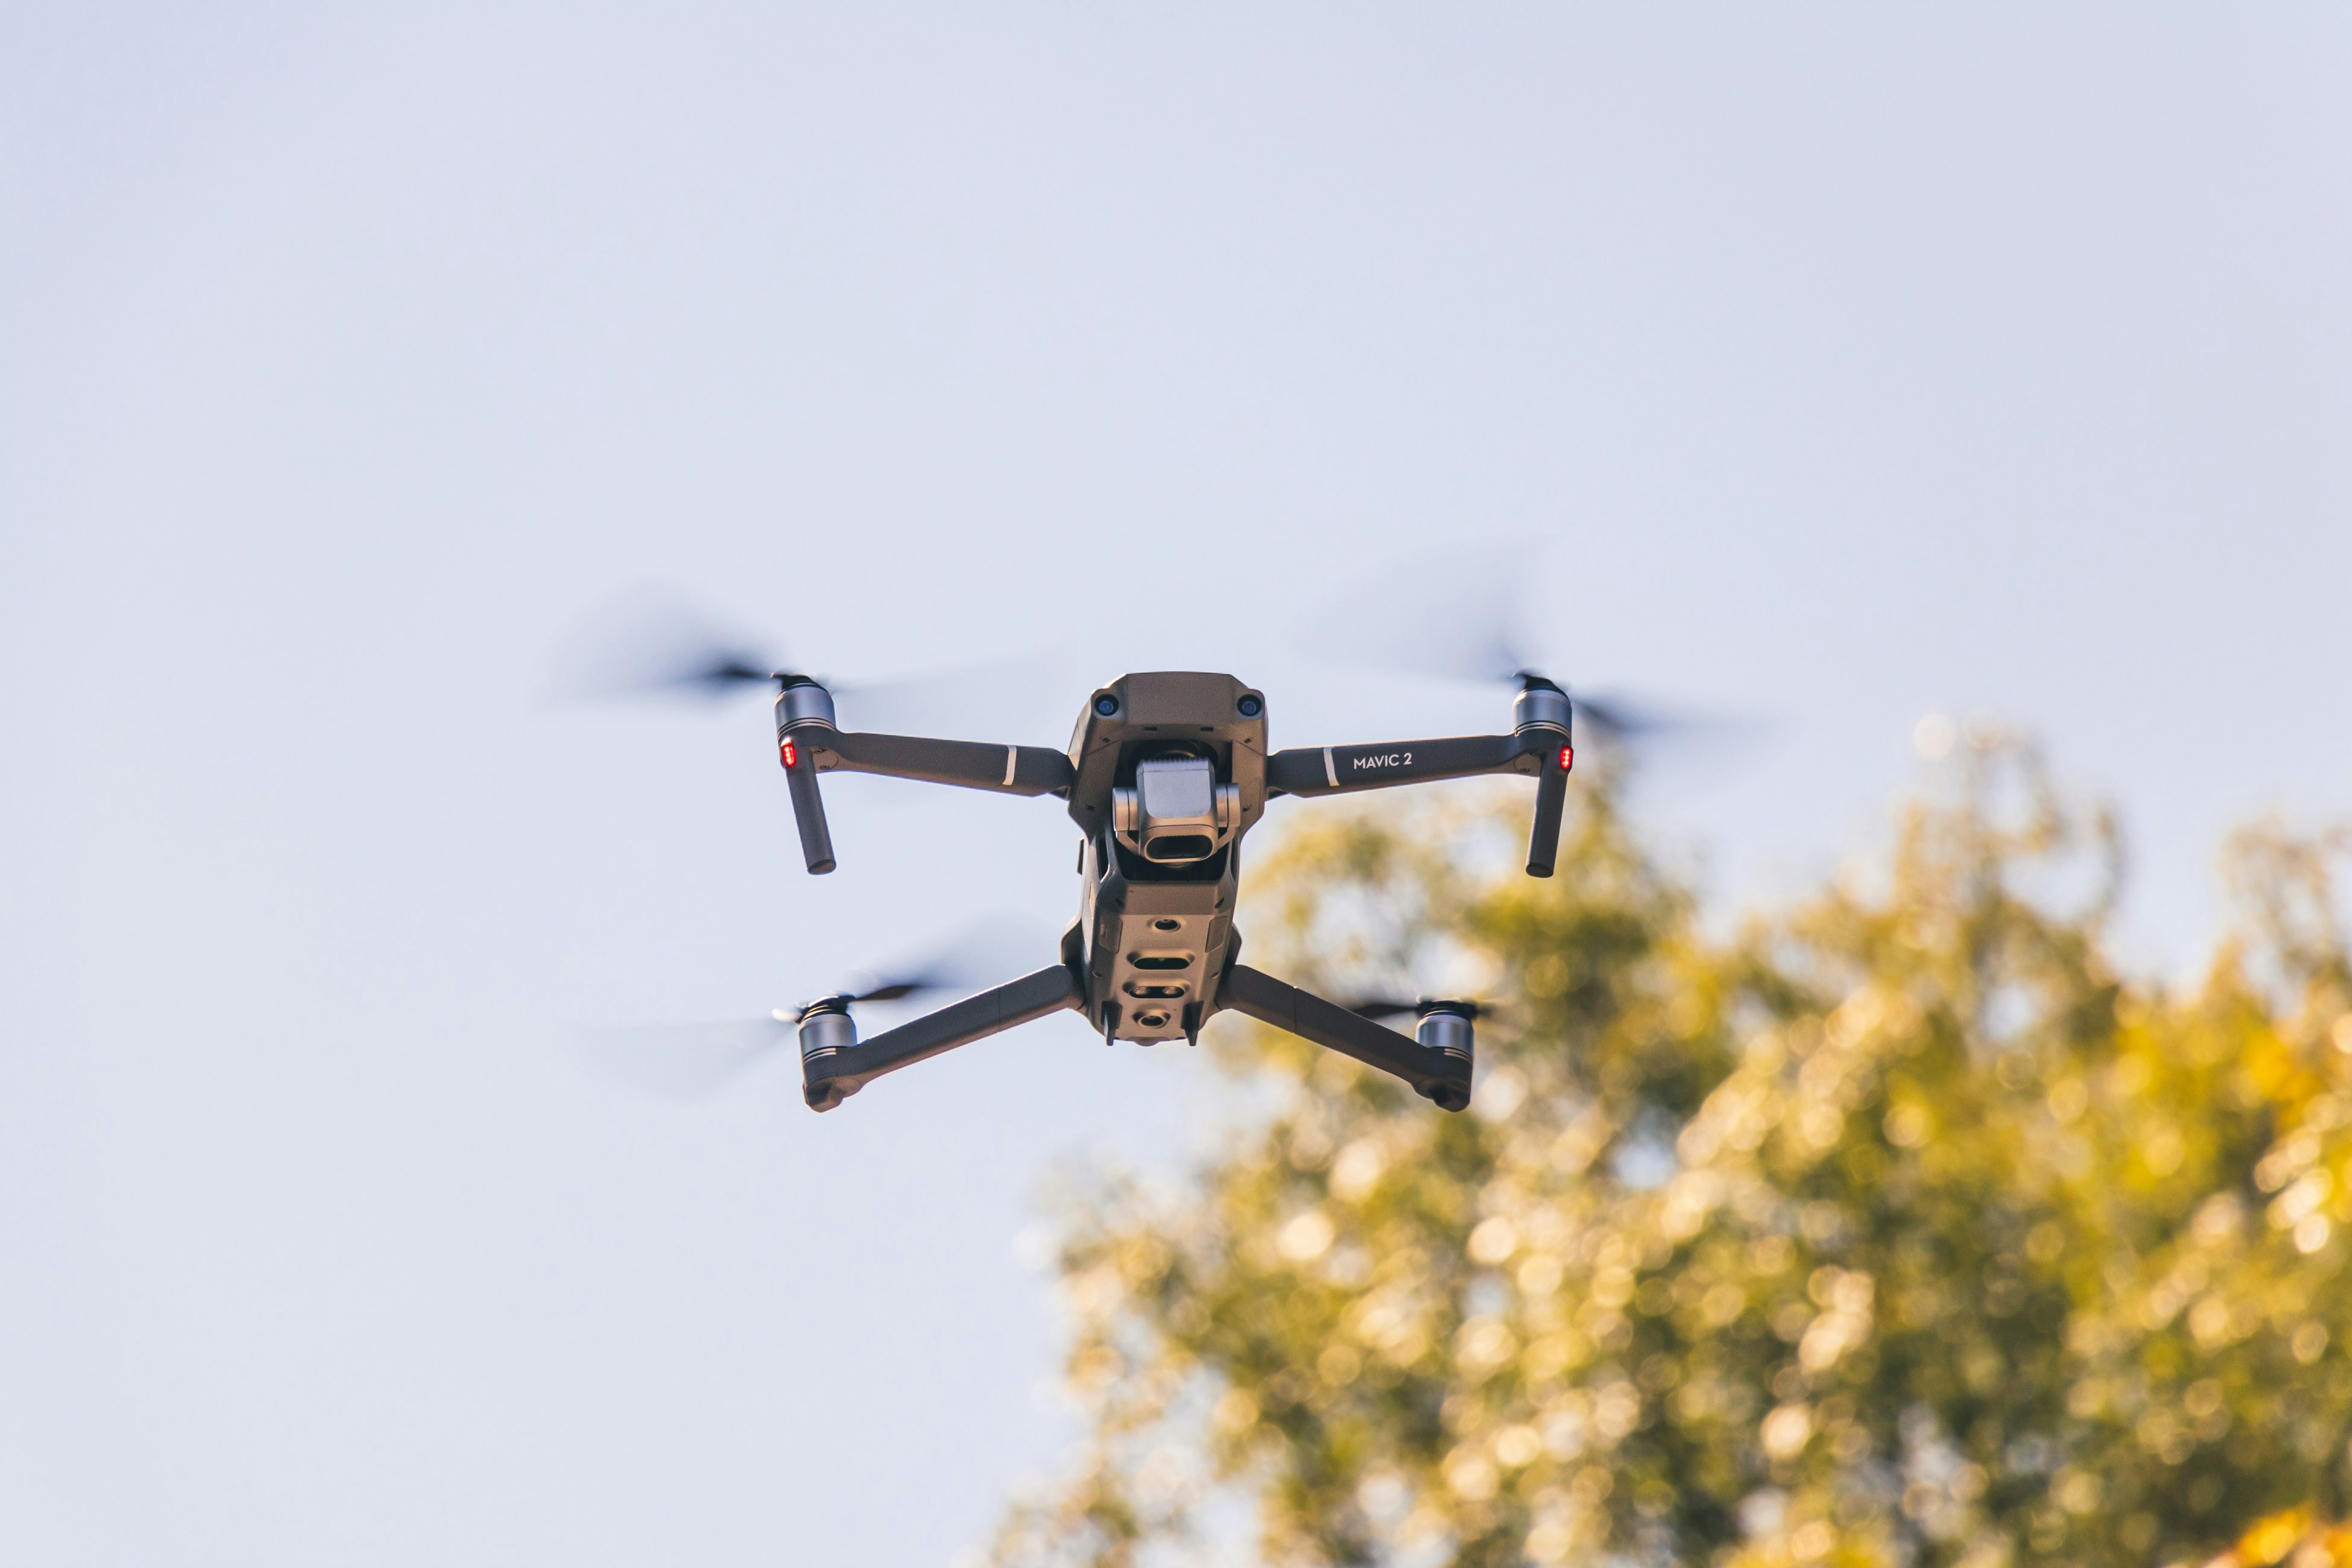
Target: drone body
{"type": "Point", "coordinates": [1165, 773]}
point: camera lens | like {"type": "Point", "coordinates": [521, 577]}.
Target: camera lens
{"type": "Point", "coordinates": [1251, 707]}
{"type": "Point", "coordinates": [1106, 705]}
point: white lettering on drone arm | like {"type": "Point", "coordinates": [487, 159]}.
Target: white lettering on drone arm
{"type": "Point", "coordinates": [1330, 772]}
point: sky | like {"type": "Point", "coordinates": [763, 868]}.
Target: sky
{"type": "Point", "coordinates": [1818, 370]}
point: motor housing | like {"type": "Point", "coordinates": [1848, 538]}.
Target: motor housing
{"type": "Point", "coordinates": [1448, 1027]}
{"type": "Point", "coordinates": [826, 1029]}
{"type": "Point", "coordinates": [1540, 705]}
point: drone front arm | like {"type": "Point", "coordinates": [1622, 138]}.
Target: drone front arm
{"type": "Point", "coordinates": [828, 1080]}
{"type": "Point", "coordinates": [971, 764]}
{"type": "Point", "coordinates": [1340, 770]}
{"type": "Point", "coordinates": [1538, 750]}
{"type": "Point", "coordinates": [1433, 1074]}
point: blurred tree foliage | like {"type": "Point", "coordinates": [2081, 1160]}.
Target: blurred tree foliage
{"type": "Point", "coordinates": [1904, 1227]}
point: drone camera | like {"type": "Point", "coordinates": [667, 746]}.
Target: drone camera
{"type": "Point", "coordinates": [1176, 813]}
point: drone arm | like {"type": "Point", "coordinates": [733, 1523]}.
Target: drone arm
{"type": "Point", "coordinates": [1003, 770]}
{"type": "Point", "coordinates": [828, 1080]}
{"type": "Point", "coordinates": [1433, 1074]}
{"type": "Point", "coordinates": [1340, 770]}
{"type": "Point", "coordinates": [1539, 750]}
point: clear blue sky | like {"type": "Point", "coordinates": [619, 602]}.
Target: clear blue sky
{"type": "Point", "coordinates": [1842, 366]}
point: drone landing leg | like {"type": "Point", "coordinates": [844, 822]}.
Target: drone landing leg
{"type": "Point", "coordinates": [808, 807]}
{"type": "Point", "coordinates": [829, 1080]}
{"type": "Point", "coordinates": [1551, 801]}
{"type": "Point", "coordinates": [1433, 1074]}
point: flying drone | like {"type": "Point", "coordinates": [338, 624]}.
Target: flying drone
{"type": "Point", "coordinates": [1166, 772]}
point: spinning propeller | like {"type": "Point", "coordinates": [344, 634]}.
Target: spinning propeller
{"type": "Point", "coordinates": [1383, 1007]}
{"type": "Point", "coordinates": [649, 643]}
{"type": "Point", "coordinates": [690, 1061]}
{"type": "Point", "coordinates": [1464, 625]}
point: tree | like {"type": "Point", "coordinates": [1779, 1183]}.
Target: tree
{"type": "Point", "coordinates": [1901, 1228]}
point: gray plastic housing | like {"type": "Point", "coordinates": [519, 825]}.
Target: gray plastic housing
{"type": "Point", "coordinates": [1156, 934]}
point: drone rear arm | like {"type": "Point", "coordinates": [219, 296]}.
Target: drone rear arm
{"type": "Point", "coordinates": [828, 1080]}
{"type": "Point", "coordinates": [971, 764]}
{"type": "Point", "coordinates": [1433, 1074]}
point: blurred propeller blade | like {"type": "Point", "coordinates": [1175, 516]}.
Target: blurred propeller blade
{"type": "Point", "coordinates": [1694, 743]}
{"type": "Point", "coordinates": [1449, 618]}
{"type": "Point", "coordinates": [1456, 617]}
{"type": "Point", "coordinates": [986, 952]}
{"type": "Point", "coordinates": [681, 1061]}
{"type": "Point", "coordinates": [649, 643]}
{"type": "Point", "coordinates": [695, 1061]}
{"type": "Point", "coordinates": [1621, 719]}
{"type": "Point", "coordinates": [1025, 698]}
{"type": "Point", "coordinates": [1384, 1007]}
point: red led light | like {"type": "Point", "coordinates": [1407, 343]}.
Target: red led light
{"type": "Point", "coordinates": [1567, 759]}
{"type": "Point", "coordinates": [792, 756]}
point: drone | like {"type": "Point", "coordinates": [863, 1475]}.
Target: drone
{"type": "Point", "coordinates": [1165, 772]}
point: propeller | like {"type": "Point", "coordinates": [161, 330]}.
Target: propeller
{"type": "Point", "coordinates": [1378, 1008]}
{"type": "Point", "coordinates": [690, 1062]}
{"type": "Point", "coordinates": [647, 644]}
{"type": "Point", "coordinates": [1460, 621]}
{"type": "Point", "coordinates": [680, 1061]}
{"type": "Point", "coordinates": [650, 644]}
{"type": "Point", "coordinates": [1619, 718]}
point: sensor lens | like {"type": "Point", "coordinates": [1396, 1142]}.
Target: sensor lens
{"type": "Point", "coordinates": [1178, 846]}
{"type": "Point", "coordinates": [1106, 705]}
{"type": "Point", "coordinates": [1250, 706]}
